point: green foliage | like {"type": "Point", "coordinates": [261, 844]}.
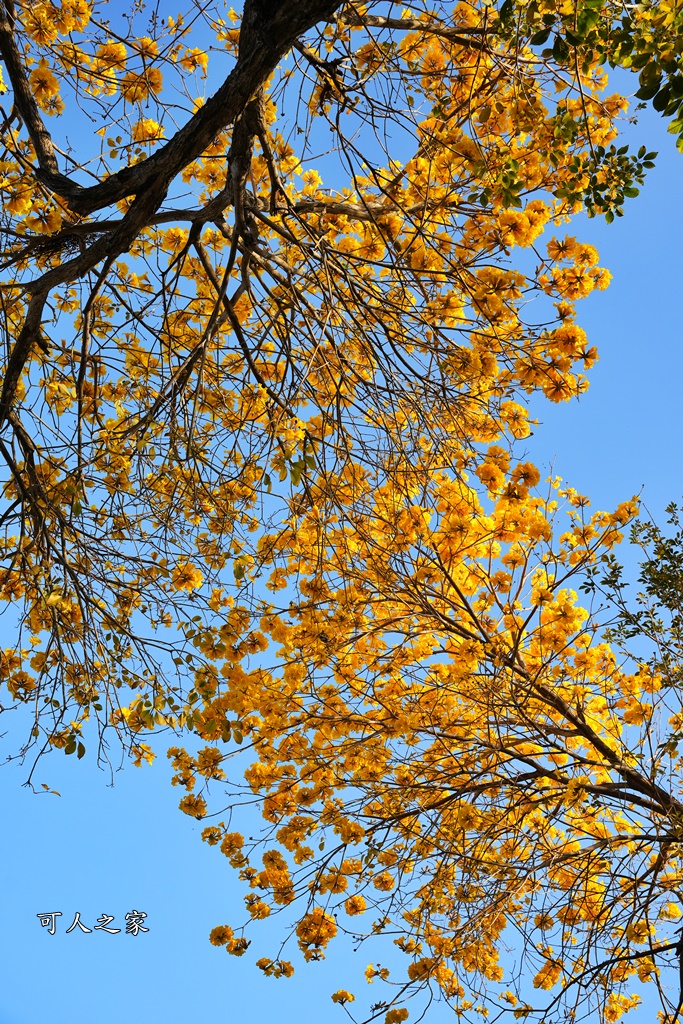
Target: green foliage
{"type": "Point", "coordinates": [655, 617]}
{"type": "Point", "coordinates": [612, 176]}
{"type": "Point", "coordinates": [646, 38]}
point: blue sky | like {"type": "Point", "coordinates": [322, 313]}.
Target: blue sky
{"type": "Point", "coordinates": [625, 433]}
{"type": "Point", "coordinates": [110, 849]}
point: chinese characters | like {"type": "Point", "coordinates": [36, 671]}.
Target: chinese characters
{"type": "Point", "coordinates": [134, 923]}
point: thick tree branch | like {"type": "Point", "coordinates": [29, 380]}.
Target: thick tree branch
{"type": "Point", "coordinates": [269, 29]}
{"type": "Point", "coordinates": [461, 35]}
{"type": "Point", "coordinates": [24, 100]}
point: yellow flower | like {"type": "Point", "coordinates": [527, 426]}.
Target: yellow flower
{"type": "Point", "coordinates": [275, 968]}
{"type": "Point", "coordinates": [147, 47]}
{"type": "Point", "coordinates": [548, 975]}
{"type": "Point", "coordinates": [111, 55]}
{"type": "Point", "coordinates": [195, 806]}
{"type": "Point", "coordinates": [515, 418]}
{"type": "Point", "coordinates": [147, 130]}
{"type": "Point", "coordinates": [212, 835]}
{"type": "Point", "coordinates": [43, 83]}
{"type": "Point", "coordinates": [586, 255]}
{"type": "Point", "coordinates": [396, 1016]}
{"type": "Point", "coordinates": [194, 59]}
{"type": "Point", "coordinates": [569, 339]}
{"type": "Point", "coordinates": [421, 969]}
{"type": "Point", "coordinates": [186, 576]}
{"type": "Point", "coordinates": [135, 88]}
{"type": "Point", "coordinates": [490, 476]}
{"type": "Point", "coordinates": [20, 202]}
{"type": "Point", "coordinates": [563, 250]}
{"type": "Point", "coordinates": [46, 220]}
{"type": "Point", "coordinates": [232, 843]}
{"type": "Point", "coordinates": [514, 228]}
{"type": "Point", "coordinates": [372, 972]}
{"type": "Point", "coordinates": [174, 239]}
{"type": "Point", "coordinates": [40, 24]}
{"type": "Point", "coordinates": [349, 831]}
{"type": "Point", "coordinates": [209, 763]}
{"type": "Point", "coordinates": [544, 921]}
{"type": "Point", "coordinates": [314, 931]}
{"type": "Point", "coordinates": [220, 935]}
{"type": "Point", "coordinates": [342, 996]}
{"type": "Point", "coordinates": [79, 12]}
{"type": "Point", "coordinates": [257, 908]}
{"type": "Point", "coordinates": [638, 932]}
{"type": "Point", "coordinates": [600, 278]}
{"type": "Point", "coordinates": [142, 752]}
{"type": "Point", "coordinates": [355, 905]}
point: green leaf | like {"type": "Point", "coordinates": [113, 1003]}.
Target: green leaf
{"type": "Point", "coordinates": [646, 92]}
{"type": "Point", "coordinates": [540, 37]}
{"type": "Point", "coordinates": [561, 50]}
{"type": "Point", "coordinates": [640, 60]}
{"type": "Point", "coordinates": [672, 106]}
{"type": "Point", "coordinates": [662, 98]}
{"type": "Point", "coordinates": [586, 21]}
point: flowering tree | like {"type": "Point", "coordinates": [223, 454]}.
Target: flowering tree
{"type": "Point", "coordinates": [269, 343]}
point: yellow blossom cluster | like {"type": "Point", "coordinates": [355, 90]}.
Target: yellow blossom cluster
{"type": "Point", "coordinates": [267, 482]}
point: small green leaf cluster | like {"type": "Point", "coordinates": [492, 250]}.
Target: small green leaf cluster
{"type": "Point", "coordinates": [646, 37]}
{"type": "Point", "coordinates": [654, 48]}
{"type": "Point", "coordinates": [584, 33]}
{"type": "Point", "coordinates": [504, 186]}
{"type": "Point", "coordinates": [606, 178]}
{"type": "Point", "coordinates": [655, 615]}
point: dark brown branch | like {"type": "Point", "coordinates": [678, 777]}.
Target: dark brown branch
{"type": "Point", "coordinates": [455, 35]}
{"type": "Point", "coordinates": [650, 789]}
{"type": "Point", "coordinates": [108, 247]}
{"type": "Point", "coordinates": [247, 126]}
{"type": "Point", "coordinates": [25, 103]}
{"type": "Point", "coordinates": [269, 29]}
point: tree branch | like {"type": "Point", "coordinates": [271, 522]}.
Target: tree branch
{"type": "Point", "coordinates": [269, 29]}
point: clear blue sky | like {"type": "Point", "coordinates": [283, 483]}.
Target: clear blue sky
{"type": "Point", "coordinates": [625, 433]}
{"type": "Point", "coordinates": [101, 849]}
